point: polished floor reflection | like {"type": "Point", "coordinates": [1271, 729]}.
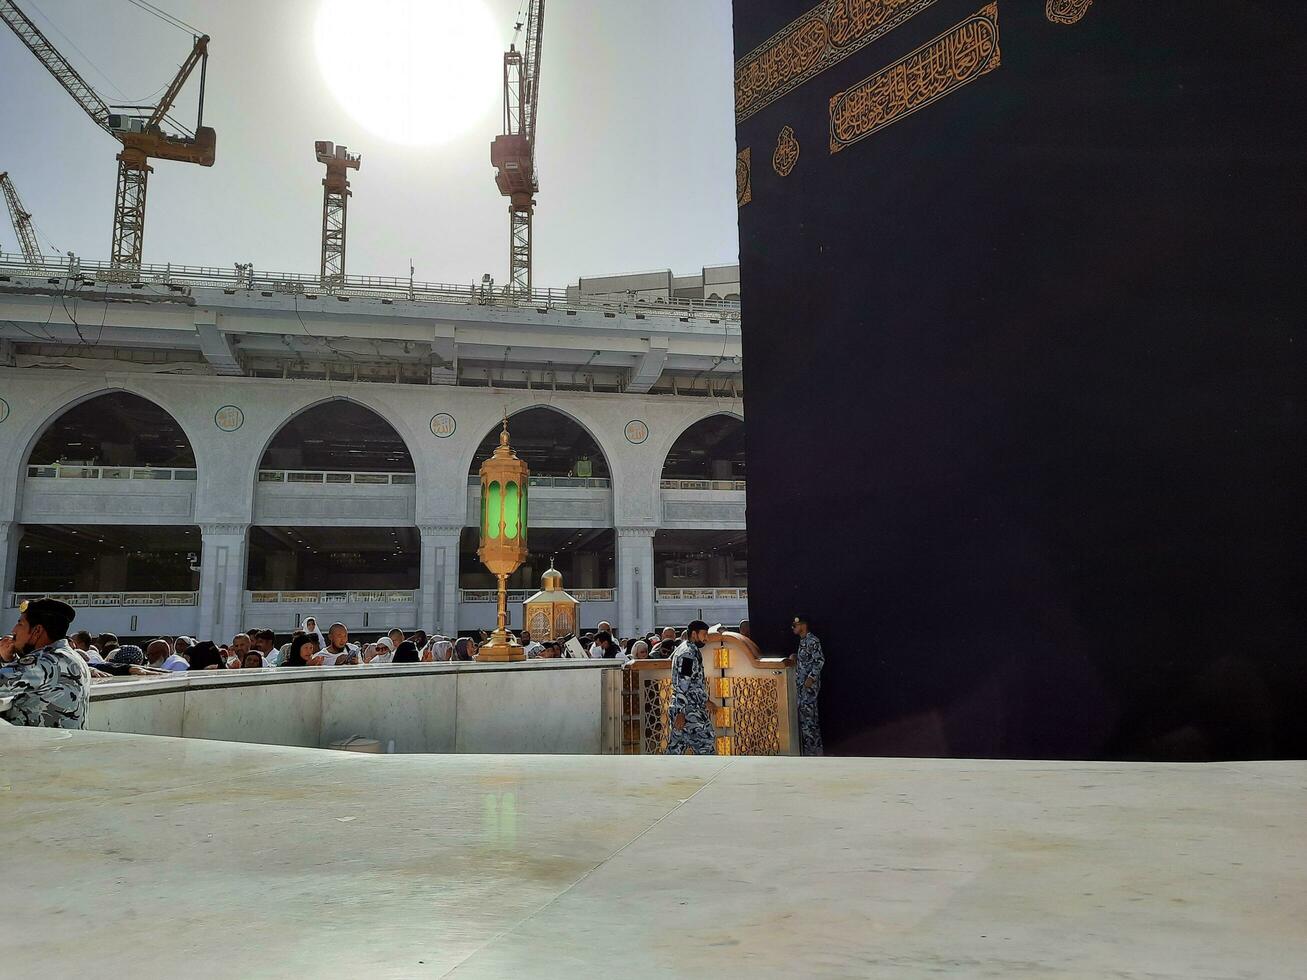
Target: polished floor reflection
{"type": "Point", "coordinates": [156, 857]}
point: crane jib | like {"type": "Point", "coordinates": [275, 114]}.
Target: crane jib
{"type": "Point", "coordinates": [141, 136]}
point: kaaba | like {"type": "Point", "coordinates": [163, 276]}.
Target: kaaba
{"type": "Point", "coordinates": [1023, 299]}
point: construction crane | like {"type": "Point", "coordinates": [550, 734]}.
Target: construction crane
{"type": "Point", "coordinates": [138, 128]}
{"type": "Point", "coordinates": [513, 154]}
{"type": "Point", "coordinates": [335, 208]}
{"type": "Point", "coordinates": [22, 220]}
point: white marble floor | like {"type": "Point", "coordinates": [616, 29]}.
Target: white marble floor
{"type": "Point", "coordinates": [132, 856]}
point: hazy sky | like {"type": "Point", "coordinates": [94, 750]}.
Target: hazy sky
{"type": "Point", "coordinates": [635, 150]}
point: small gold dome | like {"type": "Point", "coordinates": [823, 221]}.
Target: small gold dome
{"type": "Point", "coordinates": [551, 580]}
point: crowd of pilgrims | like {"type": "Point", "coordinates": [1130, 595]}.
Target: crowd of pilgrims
{"type": "Point", "coordinates": [257, 649]}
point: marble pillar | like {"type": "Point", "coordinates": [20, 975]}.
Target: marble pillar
{"type": "Point", "coordinates": [635, 580]}
{"type": "Point", "coordinates": [438, 586]}
{"type": "Point", "coordinates": [222, 580]}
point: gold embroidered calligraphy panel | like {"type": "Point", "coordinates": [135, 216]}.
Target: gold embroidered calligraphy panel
{"type": "Point", "coordinates": [786, 154]}
{"type": "Point", "coordinates": [822, 37]}
{"type": "Point", "coordinates": [1066, 11]}
{"type": "Point", "coordinates": [934, 70]}
{"type": "Point", "coordinates": [744, 177]}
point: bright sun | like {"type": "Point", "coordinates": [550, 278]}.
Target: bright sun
{"type": "Point", "coordinates": [419, 72]}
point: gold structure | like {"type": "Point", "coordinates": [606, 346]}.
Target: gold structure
{"type": "Point", "coordinates": [758, 712]}
{"type": "Point", "coordinates": [551, 612]}
{"type": "Point", "coordinates": [503, 538]}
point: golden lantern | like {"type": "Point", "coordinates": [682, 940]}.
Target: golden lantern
{"type": "Point", "coordinates": [503, 538]}
{"type": "Point", "coordinates": [551, 613]}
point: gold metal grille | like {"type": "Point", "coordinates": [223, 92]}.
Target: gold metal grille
{"type": "Point", "coordinates": [756, 715]}
{"type": "Point", "coordinates": [657, 699]}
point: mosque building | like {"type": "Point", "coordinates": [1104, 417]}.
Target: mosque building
{"type": "Point", "coordinates": [195, 451]}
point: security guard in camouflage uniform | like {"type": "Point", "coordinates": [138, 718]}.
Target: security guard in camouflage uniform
{"type": "Point", "coordinates": [49, 683]}
{"type": "Point", "coordinates": [690, 714]}
{"type": "Point", "coordinates": [811, 660]}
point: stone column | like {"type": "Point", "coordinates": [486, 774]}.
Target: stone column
{"type": "Point", "coordinates": [11, 532]}
{"type": "Point", "coordinates": [438, 576]}
{"type": "Point", "coordinates": [222, 580]}
{"type": "Point", "coordinates": [635, 580]}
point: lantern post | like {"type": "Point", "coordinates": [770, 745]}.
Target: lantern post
{"type": "Point", "coordinates": [503, 538]}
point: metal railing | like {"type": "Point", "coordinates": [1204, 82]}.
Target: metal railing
{"type": "Point", "coordinates": [354, 597]}
{"type": "Point", "coordinates": [181, 277]}
{"type": "Point", "coordinates": [521, 595]}
{"type": "Point", "coordinates": [93, 599]}
{"type": "Point", "coordinates": [705, 595]}
{"type": "Point", "coordinates": [703, 485]}
{"type": "Point", "coordinates": [559, 482]}
{"type": "Point", "coordinates": [335, 477]}
{"type": "Point", "coordinates": [76, 471]}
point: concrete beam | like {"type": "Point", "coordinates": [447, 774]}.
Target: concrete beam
{"type": "Point", "coordinates": [216, 345]}
{"type": "Point", "coordinates": [650, 367]}
{"type": "Point", "coordinates": [444, 360]}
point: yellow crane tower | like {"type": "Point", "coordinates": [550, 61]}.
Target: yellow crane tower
{"type": "Point", "coordinates": [138, 128]}
{"type": "Point", "coordinates": [22, 220]}
{"type": "Point", "coordinates": [514, 153]}
{"type": "Point", "coordinates": [335, 208]}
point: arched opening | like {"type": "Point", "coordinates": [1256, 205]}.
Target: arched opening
{"type": "Point", "coordinates": [338, 436]}
{"type": "Point", "coordinates": [698, 559]}
{"type": "Point", "coordinates": [712, 449]}
{"type": "Point", "coordinates": [117, 429]}
{"type": "Point", "coordinates": [554, 445]}
{"type": "Point", "coordinates": [333, 559]}
{"type": "Point", "coordinates": [334, 444]}
{"type": "Point", "coordinates": [107, 558]}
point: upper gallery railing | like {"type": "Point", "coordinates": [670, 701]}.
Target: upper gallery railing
{"type": "Point", "coordinates": [348, 597]}
{"type": "Point", "coordinates": [559, 482]}
{"type": "Point", "coordinates": [363, 287]}
{"type": "Point", "coordinates": [76, 471]}
{"type": "Point", "coordinates": [703, 485]}
{"type": "Point", "coordinates": [88, 599]}
{"type": "Point", "coordinates": [337, 477]}
{"type": "Point", "coordinates": [521, 595]}
{"type": "Point", "coordinates": [697, 594]}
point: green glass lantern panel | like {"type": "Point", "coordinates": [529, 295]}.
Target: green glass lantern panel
{"type": "Point", "coordinates": [493, 510]}
{"type": "Point", "coordinates": [512, 511]}
{"type": "Point", "coordinates": [525, 525]}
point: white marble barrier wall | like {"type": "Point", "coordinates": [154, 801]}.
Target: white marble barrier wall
{"type": "Point", "coordinates": [537, 707]}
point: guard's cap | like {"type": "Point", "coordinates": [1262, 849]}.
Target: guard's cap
{"type": "Point", "coordinates": [53, 614]}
